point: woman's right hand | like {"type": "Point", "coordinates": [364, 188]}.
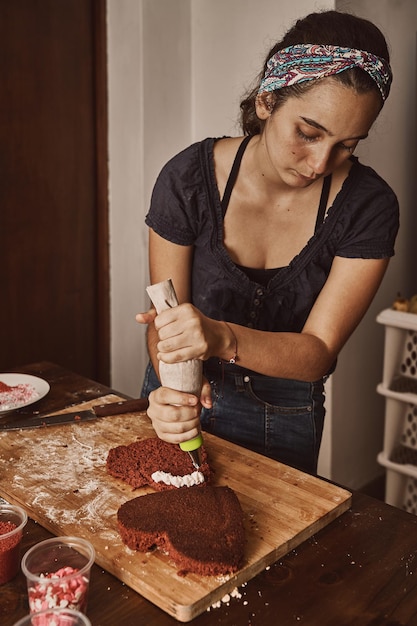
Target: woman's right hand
{"type": "Point", "coordinates": [175, 415]}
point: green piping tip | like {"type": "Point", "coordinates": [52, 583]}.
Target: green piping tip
{"type": "Point", "coordinates": [192, 444]}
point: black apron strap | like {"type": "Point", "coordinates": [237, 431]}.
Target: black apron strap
{"type": "Point", "coordinates": [323, 201]}
{"type": "Point", "coordinates": [233, 174]}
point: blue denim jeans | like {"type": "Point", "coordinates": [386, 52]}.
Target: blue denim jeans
{"type": "Point", "coordinates": [279, 418]}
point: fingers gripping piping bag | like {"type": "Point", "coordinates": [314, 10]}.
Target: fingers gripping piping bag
{"type": "Point", "coordinates": [184, 376]}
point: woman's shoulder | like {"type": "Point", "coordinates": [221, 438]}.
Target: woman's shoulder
{"type": "Point", "coordinates": [364, 218]}
{"type": "Point", "coordinates": [188, 155]}
{"type": "Point", "coordinates": [188, 167]}
{"type": "Point", "coordinates": [196, 166]}
{"type": "Point", "coordinates": [364, 192]}
{"type": "Point", "coordinates": [366, 180]}
{"type": "Point", "coordinates": [193, 152]}
{"type": "Point", "coordinates": [221, 148]}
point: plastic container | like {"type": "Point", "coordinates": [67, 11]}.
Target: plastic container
{"type": "Point", "coordinates": [55, 617]}
{"type": "Point", "coordinates": [58, 573]}
{"type": "Point", "coordinates": [12, 522]}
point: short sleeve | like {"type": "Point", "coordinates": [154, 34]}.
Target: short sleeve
{"type": "Point", "coordinates": [371, 220]}
{"type": "Point", "coordinates": [176, 196]}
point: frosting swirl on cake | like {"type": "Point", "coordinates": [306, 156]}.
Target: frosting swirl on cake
{"type": "Point", "coordinates": [195, 478]}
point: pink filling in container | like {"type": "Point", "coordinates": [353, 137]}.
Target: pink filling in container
{"type": "Point", "coordinates": [58, 574]}
{"type": "Point", "coordinates": [12, 521]}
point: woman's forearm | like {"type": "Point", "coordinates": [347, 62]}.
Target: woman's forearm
{"type": "Point", "coordinates": [297, 356]}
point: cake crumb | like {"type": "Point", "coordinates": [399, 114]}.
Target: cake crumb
{"type": "Point", "coordinates": [235, 593]}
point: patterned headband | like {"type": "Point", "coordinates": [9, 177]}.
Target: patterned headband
{"type": "Point", "coordinates": [302, 62]}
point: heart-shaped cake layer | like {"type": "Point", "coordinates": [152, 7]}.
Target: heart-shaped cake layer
{"type": "Point", "coordinates": [137, 462]}
{"type": "Point", "coordinates": [201, 529]}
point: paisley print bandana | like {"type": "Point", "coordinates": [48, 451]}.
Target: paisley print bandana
{"type": "Point", "coordinates": [302, 62]}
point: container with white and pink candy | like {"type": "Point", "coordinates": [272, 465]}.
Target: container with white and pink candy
{"type": "Point", "coordinates": [58, 573]}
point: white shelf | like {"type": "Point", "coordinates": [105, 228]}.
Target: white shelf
{"type": "Point", "coordinates": [399, 319]}
{"type": "Point", "coordinates": [400, 359]}
{"type": "Point", "coordinates": [411, 398]}
{"type": "Point", "coordinates": [400, 468]}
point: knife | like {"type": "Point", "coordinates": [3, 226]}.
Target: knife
{"type": "Point", "coordinates": [75, 417]}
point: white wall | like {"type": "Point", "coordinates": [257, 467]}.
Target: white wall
{"type": "Point", "coordinates": [128, 256]}
{"type": "Point", "coordinates": [230, 39]}
{"type": "Point", "coordinates": [177, 70]}
{"type": "Point", "coordinates": [149, 120]}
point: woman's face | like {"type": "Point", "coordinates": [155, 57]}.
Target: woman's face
{"type": "Point", "coordinates": [310, 136]}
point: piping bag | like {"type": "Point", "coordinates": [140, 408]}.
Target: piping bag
{"type": "Point", "coordinates": [184, 376]}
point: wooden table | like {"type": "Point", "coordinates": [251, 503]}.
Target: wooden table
{"type": "Point", "coordinates": [361, 569]}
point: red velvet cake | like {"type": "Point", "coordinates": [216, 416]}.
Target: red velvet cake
{"type": "Point", "coordinates": [200, 529]}
{"type": "Point", "coordinates": [153, 461]}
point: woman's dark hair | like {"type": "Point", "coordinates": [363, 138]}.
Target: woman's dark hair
{"type": "Point", "coordinates": [325, 28]}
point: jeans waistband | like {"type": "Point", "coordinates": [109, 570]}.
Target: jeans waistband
{"type": "Point", "coordinates": [219, 369]}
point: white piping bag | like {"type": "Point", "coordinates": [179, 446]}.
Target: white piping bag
{"type": "Point", "coordinates": [184, 376]}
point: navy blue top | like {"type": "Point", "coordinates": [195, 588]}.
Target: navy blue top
{"type": "Point", "coordinates": [186, 210]}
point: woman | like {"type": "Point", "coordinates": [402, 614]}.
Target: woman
{"type": "Point", "coordinates": [276, 243]}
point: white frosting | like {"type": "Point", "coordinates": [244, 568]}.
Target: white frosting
{"type": "Point", "coordinates": [196, 478]}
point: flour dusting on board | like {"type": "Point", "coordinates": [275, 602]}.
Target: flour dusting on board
{"type": "Point", "coordinates": [76, 463]}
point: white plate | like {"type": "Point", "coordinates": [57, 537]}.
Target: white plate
{"type": "Point", "coordinates": [41, 386]}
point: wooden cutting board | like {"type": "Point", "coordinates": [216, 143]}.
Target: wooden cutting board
{"type": "Point", "coordinates": [58, 474]}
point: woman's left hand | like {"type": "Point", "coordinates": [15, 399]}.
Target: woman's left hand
{"type": "Point", "coordinates": [184, 333]}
